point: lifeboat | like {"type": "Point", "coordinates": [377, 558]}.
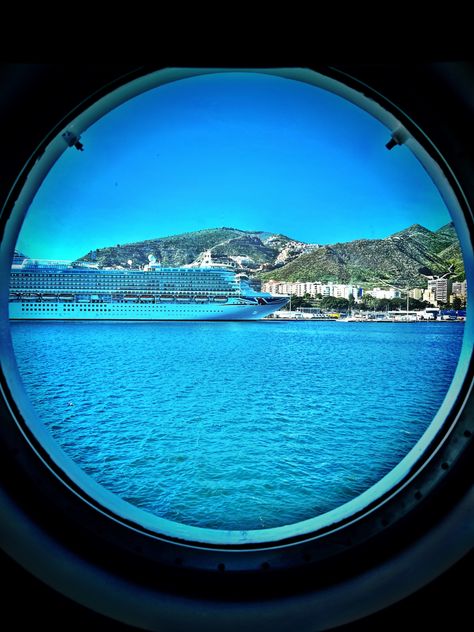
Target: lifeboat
{"type": "Point", "coordinates": [166, 298]}
{"type": "Point", "coordinates": [130, 297]}
{"type": "Point", "coordinates": [183, 299]}
{"type": "Point", "coordinates": [201, 299]}
{"type": "Point", "coordinates": [147, 297]}
{"type": "Point", "coordinates": [30, 297]}
{"type": "Point", "coordinates": [220, 299]}
{"type": "Point", "coordinates": [66, 297]}
{"type": "Point", "coordinates": [49, 297]}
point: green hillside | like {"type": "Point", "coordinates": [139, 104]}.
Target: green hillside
{"type": "Point", "coordinates": [178, 250]}
{"type": "Point", "coordinates": [396, 259]}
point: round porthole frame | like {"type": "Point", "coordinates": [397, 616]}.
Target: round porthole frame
{"type": "Point", "coordinates": [301, 571]}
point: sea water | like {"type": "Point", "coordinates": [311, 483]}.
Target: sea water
{"type": "Point", "coordinates": [236, 425]}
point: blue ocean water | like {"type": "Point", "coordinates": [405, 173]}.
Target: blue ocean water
{"type": "Point", "coordinates": [243, 425]}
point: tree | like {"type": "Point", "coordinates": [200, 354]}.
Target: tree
{"type": "Point", "coordinates": [399, 303]}
{"type": "Point", "coordinates": [457, 303]}
{"type": "Point", "coordinates": [299, 301]}
{"type": "Point", "coordinates": [331, 302]}
{"type": "Point", "coordinates": [382, 304]}
{"type": "Point", "coordinates": [417, 304]}
{"type": "Point", "coordinates": [369, 302]}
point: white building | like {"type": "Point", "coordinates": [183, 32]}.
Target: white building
{"type": "Point", "coordinates": [386, 293]}
{"type": "Point", "coordinates": [313, 288]}
{"type": "Point", "coordinates": [416, 293]}
{"type": "Point", "coordinates": [429, 296]}
{"type": "Point", "coordinates": [442, 289]}
{"type": "Point", "coordinates": [299, 289]}
{"type": "Point", "coordinates": [341, 290]}
{"type": "Point", "coordinates": [459, 288]}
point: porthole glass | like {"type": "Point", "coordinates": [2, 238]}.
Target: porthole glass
{"type": "Point", "coordinates": [319, 355]}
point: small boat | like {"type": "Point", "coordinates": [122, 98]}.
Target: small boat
{"type": "Point", "coordinates": [147, 297]}
{"type": "Point", "coordinates": [49, 297]}
{"type": "Point", "coordinates": [220, 299]}
{"type": "Point", "coordinates": [167, 298]}
{"type": "Point", "coordinates": [201, 299]}
{"type": "Point", "coordinates": [130, 297]}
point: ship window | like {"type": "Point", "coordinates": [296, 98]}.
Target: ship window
{"type": "Point", "coordinates": [309, 428]}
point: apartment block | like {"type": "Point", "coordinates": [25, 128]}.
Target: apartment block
{"type": "Point", "coordinates": [442, 289]}
{"type": "Point", "coordinates": [459, 289]}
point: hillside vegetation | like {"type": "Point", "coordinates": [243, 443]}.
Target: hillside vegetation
{"type": "Point", "coordinates": [395, 259]}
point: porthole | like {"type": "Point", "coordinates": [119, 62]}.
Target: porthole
{"type": "Point", "coordinates": [225, 558]}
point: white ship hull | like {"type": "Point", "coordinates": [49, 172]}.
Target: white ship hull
{"type": "Point", "coordinates": [23, 310]}
{"type": "Point", "coordinates": [47, 290]}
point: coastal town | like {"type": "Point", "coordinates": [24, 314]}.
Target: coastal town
{"type": "Point", "coordinates": [442, 299]}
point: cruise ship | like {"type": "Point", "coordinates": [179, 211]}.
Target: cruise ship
{"type": "Point", "coordinates": [54, 290]}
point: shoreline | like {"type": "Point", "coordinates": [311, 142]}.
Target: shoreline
{"type": "Point", "coordinates": [342, 320]}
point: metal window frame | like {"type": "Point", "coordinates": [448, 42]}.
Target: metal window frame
{"type": "Point", "coordinates": [238, 575]}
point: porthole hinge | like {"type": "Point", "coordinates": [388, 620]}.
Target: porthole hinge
{"type": "Point", "coordinates": [399, 136]}
{"type": "Point", "coordinates": [73, 140]}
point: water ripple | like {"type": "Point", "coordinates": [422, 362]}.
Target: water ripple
{"type": "Point", "coordinates": [236, 426]}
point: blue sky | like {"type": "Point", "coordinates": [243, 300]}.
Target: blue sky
{"type": "Point", "coordinates": [244, 150]}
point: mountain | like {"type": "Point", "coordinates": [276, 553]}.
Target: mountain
{"type": "Point", "coordinates": [396, 259]}
{"type": "Point", "coordinates": [248, 249]}
{"type": "Point", "coordinates": [452, 253]}
{"type": "Point", "coordinates": [448, 230]}
{"type": "Point", "coordinates": [434, 242]}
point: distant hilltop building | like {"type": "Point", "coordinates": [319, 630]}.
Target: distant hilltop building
{"type": "Point", "coordinates": [292, 249]}
{"type": "Point", "coordinates": [209, 260]}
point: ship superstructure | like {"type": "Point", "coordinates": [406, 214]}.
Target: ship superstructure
{"type": "Point", "coordinates": [59, 290]}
